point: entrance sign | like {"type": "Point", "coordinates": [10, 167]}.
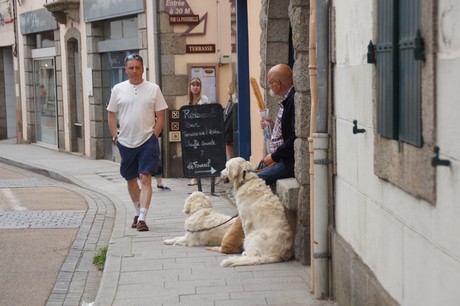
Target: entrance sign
{"type": "Point", "coordinates": [203, 141]}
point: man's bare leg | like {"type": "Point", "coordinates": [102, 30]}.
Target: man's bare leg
{"type": "Point", "coordinates": [141, 196]}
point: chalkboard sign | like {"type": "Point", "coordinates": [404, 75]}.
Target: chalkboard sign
{"type": "Point", "coordinates": [203, 141]}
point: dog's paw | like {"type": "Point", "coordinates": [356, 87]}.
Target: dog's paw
{"type": "Point", "coordinates": [229, 261]}
{"type": "Point", "coordinates": [176, 241]}
{"type": "Point", "coordinates": [214, 249]}
{"type": "Point", "coordinates": [226, 262]}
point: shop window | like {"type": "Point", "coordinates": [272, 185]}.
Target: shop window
{"type": "Point", "coordinates": [45, 39]}
{"type": "Point", "coordinates": [121, 28]}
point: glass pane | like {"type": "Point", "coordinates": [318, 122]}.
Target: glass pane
{"type": "Point", "coordinates": [45, 39]}
{"type": "Point", "coordinates": [130, 27]}
{"type": "Point", "coordinates": [45, 101]}
{"type": "Point", "coordinates": [116, 29]}
{"type": "Point", "coordinates": [119, 29]}
{"type": "Point", "coordinates": [78, 93]}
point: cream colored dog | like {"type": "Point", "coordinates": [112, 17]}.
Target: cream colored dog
{"type": "Point", "coordinates": [204, 226]}
{"type": "Point", "coordinates": [268, 236]}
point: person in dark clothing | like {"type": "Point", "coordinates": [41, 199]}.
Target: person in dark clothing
{"type": "Point", "coordinates": [280, 163]}
{"type": "Point", "coordinates": [228, 123]}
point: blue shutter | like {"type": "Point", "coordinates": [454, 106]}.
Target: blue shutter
{"type": "Point", "coordinates": [409, 70]}
{"type": "Point", "coordinates": [385, 59]}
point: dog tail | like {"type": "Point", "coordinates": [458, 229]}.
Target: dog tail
{"type": "Point", "coordinates": [234, 261]}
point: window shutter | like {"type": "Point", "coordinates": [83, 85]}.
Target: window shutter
{"type": "Point", "coordinates": [385, 59]}
{"type": "Point", "coordinates": [409, 70]}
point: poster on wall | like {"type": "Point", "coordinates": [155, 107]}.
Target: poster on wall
{"type": "Point", "coordinates": [207, 76]}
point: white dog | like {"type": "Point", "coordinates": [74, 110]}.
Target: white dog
{"type": "Point", "coordinates": [268, 236]}
{"type": "Point", "coordinates": [204, 226]}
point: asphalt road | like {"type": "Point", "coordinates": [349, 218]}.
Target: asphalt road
{"type": "Point", "coordinates": [39, 221]}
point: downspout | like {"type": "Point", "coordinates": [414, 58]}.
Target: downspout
{"type": "Point", "coordinates": [314, 106]}
{"type": "Point", "coordinates": [321, 251]}
{"type": "Point", "coordinates": [156, 42]}
{"type": "Point", "coordinates": [19, 130]}
{"type": "Point", "coordinates": [218, 34]}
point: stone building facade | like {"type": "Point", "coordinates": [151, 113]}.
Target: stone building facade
{"type": "Point", "coordinates": [284, 39]}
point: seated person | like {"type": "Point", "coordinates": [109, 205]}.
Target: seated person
{"type": "Point", "coordinates": [280, 163]}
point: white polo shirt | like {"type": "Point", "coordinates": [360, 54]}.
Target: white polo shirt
{"type": "Point", "coordinates": [136, 106]}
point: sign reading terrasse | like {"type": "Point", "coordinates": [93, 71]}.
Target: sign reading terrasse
{"type": "Point", "coordinates": [207, 48]}
{"type": "Point", "coordinates": [203, 141]}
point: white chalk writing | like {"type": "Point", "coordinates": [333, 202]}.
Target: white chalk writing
{"type": "Point", "coordinates": [196, 165]}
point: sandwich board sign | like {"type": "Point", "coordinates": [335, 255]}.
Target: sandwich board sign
{"type": "Point", "coordinates": [202, 140]}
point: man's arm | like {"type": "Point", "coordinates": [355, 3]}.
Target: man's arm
{"type": "Point", "coordinates": [160, 122]}
{"type": "Point", "coordinates": [112, 121]}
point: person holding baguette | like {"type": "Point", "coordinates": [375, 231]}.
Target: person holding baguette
{"type": "Point", "coordinates": [279, 162]}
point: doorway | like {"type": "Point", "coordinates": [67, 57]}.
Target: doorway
{"type": "Point", "coordinates": [45, 101]}
{"type": "Point", "coordinates": [8, 94]}
{"type": "Point", "coordinates": [75, 97]}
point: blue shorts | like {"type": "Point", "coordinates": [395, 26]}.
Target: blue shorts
{"type": "Point", "coordinates": [144, 159]}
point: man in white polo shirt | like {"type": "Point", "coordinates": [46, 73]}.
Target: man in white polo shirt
{"type": "Point", "coordinates": [140, 106]}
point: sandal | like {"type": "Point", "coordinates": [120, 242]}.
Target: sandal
{"type": "Point", "coordinates": [163, 187]}
{"type": "Point", "coordinates": [193, 182]}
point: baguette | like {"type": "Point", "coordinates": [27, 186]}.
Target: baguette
{"type": "Point", "coordinates": [255, 88]}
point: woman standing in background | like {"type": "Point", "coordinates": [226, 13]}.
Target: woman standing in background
{"type": "Point", "coordinates": [195, 97]}
{"type": "Point", "coordinates": [228, 123]}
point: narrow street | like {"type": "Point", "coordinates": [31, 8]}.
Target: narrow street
{"type": "Point", "coordinates": [40, 219]}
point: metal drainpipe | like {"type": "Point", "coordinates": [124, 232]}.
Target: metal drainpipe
{"type": "Point", "coordinates": [314, 106]}
{"type": "Point", "coordinates": [17, 67]}
{"type": "Point", "coordinates": [321, 252]}
{"type": "Point", "coordinates": [156, 42]}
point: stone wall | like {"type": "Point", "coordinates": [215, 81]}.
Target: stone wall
{"type": "Point", "coordinates": [283, 22]}
{"type": "Point", "coordinates": [172, 85]}
{"type": "Point", "coordinates": [94, 34]}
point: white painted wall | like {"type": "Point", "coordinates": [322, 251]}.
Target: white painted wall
{"type": "Point", "coordinates": [412, 247]}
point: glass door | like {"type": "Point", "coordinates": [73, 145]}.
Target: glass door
{"type": "Point", "coordinates": [45, 101]}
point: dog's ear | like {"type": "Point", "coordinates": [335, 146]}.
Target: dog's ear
{"type": "Point", "coordinates": [248, 167]}
{"type": "Point", "coordinates": [187, 206]}
{"type": "Point", "coordinates": [206, 202]}
{"type": "Point", "coordinates": [233, 170]}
